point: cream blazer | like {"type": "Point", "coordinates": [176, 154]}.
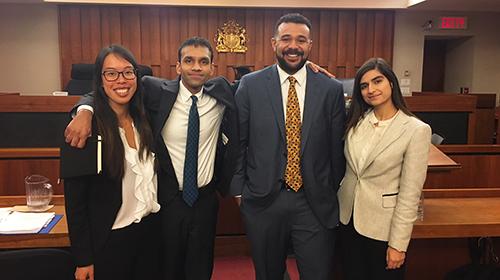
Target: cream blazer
{"type": "Point", "coordinates": [383, 196]}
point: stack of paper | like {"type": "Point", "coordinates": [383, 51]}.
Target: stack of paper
{"type": "Point", "coordinates": [18, 223]}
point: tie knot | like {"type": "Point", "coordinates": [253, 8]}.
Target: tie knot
{"type": "Point", "coordinates": [194, 98]}
{"type": "Point", "coordinates": [292, 80]}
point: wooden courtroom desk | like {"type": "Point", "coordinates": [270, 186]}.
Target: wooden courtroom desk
{"type": "Point", "coordinates": [459, 217]}
{"type": "Point", "coordinates": [439, 162]}
{"type": "Point", "coordinates": [57, 237]}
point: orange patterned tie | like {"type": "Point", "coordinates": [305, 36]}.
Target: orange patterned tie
{"type": "Point", "coordinates": [293, 176]}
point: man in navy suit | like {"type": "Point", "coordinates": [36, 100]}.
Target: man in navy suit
{"type": "Point", "coordinates": [287, 176]}
{"type": "Point", "coordinates": [188, 230]}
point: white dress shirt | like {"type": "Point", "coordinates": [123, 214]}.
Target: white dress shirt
{"type": "Point", "coordinates": [300, 87]}
{"type": "Point", "coordinates": [139, 186]}
{"type": "Point", "coordinates": [174, 133]}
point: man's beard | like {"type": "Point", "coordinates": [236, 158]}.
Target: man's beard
{"type": "Point", "coordinates": [289, 68]}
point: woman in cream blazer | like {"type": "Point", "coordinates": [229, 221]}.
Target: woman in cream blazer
{"type": "Point", "coordinates": [386, 150]}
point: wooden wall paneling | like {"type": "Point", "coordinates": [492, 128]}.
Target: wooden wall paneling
{"type": "Point", "coordinates": [135, 33]}
{"type": "Point", "coordinates": [351, 44]}
{"type": "Point", "coordinates": [221, 62]}
{"type": "Point", "coordinates": [174, 42]}
{"type": "Point", "coordinates": [95, 32]}
{"type": "Point", "coordinates": [155, 37]}
{"type": "Point", "coordinates": [387, 49]}
{"type": "Point", "coordinates": [370, 35]}
{"type": "Point", "coordinates": [322, 40]}
{"type": "Point", "coordinates": [144, 58]}
{"type": "Point", "coordinates": [240, 58]}
{"type": "Point", "coordinates": [86, 35]}
{"type": "Point", "coordinates": [75, 35]}
{"type": "Point", "coordinates": [64, 45]}
{"type": "Point", "coordinates": [165, 37]}
{"type": "Point", "coordinates": [314, 19]}
{"type": "Point", "coordinates": [105, 26]}
{"type": "Point", "coordinates": [115, 29]}
{"type": "Point", "coordinates": [333, 43]}
{"type": "Point", "coordinates": [351, 36]}
{"type": "Point", "coordinates": [13, 172]}
{"type": "Point", "coordinates": [231, 57]}
{"type": "Point", "coordinates": [268, 33]}
{"type": "Point", "coordinates": [342, 39]}
{"type": "Point", "coordinates": [361, 44]}
{"type": "Point", "coordinates": [249, 57]}
{"type": "Point", "coordinates": [378, 42]}
{"type": "Point", "coordinates": [213, 25]}
{"type": "Point", "coordinates": [258, 43]}
{"type": "Point", "coordinates": [125, 26]}
{"type": "Point", "coordinates": [193, 22]}
{"type": "Point", "coordinates": [203, 30]}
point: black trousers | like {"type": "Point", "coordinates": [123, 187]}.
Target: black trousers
{"type": "Point", "coordinates": [131, 252]}
{"type": "Point", "coordinates": [289, 220]}
{"type": "Point", "coordinates": [363, 258]}
{"type": "Point", "coordinates": [189, 236]}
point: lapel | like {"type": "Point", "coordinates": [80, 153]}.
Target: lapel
{"type": "Point", "coordinates": [310, 100]}
{"type": "Point", "coordinates": [169, 93]}
{"type": "Point", "coordinates": [273, 88]}
{"type": "Point", "coordinates": [394, 131]}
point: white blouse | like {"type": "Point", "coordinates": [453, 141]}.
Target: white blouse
{"type": "Point", "coordinates": [366, 136]}
{"type": "Point", "coordinates": [139, 186]}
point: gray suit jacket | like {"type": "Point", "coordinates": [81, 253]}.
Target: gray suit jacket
{"type": "Point", "coordinates": [262, 153]}
{"type": "Point", "coordinates": [384, 194]}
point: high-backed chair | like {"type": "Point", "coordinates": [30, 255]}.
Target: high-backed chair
{"type": "Point", "coordinates": [348, 84]}
{"type": "Point", "coordinates": [240, 71]}
{"type": "Point", "coordinates": [37, 264]}
{"type": "Point", "coordinates": [145, 70]}
{"type": "Point", "coordinates": [81, 79]}
{"type": "Point", "coordinates": [437, 139]}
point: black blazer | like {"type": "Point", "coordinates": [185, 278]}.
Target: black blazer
{"type": "Point", "coordinates": [92, 203]}
{"type": "Point", "coordinates": [159, 99]}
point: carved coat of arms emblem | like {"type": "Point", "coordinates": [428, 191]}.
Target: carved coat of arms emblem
{"type": "Point", "coordinates": [231, 38]}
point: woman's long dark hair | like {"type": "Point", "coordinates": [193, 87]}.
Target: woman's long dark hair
{"type": "Point", "coordinates": [107, 121]}
{"type": "Point", "coordinates": [359, 106]}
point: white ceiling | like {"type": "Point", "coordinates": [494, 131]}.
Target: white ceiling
{"type": "Point", "coordinates": [434, 5]}
{"type": "Point", "coordinates": [459, 5]}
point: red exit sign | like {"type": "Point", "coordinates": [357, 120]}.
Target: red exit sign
{"type": "Point", "coordinates": [453, 22]}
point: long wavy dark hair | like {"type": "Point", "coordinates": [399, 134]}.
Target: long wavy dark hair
{"type": "Point", "coordinates": [107, 121]}
{"type": "Point", "coordinates": [358, 105]}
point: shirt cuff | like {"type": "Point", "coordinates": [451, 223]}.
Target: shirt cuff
{"type": "Point", "coordinates": [83, 107]}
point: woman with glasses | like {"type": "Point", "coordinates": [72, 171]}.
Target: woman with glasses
{"type": "Point", "coordinates": [387, 150]}
{"type": "Point", "coordinates": [112, 228]}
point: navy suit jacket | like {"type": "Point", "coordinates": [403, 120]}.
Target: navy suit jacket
{"type": "Point", "coordinates": [262, 152]}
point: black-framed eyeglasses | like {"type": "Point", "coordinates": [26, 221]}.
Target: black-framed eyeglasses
{"type": "Point", "coordinates": [112, 76]}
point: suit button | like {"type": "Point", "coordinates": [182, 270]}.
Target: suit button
{"type": "Point", "coordinates": [280, 181]}
{"type": "Point", "coordinates": [284, 154]}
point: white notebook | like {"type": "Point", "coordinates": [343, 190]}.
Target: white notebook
{"type": "Point", "coordinates": [19, 223]}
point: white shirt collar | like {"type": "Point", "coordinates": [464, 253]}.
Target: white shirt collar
{"type": "Point", "coordinates": [185, 94]}
{"type": "Point", "coordinates": [300, 75]}
{"type": "Point", "coordinates": [373, 119]}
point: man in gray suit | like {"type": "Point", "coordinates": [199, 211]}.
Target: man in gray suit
{"type": "Point", "coordinates": [290, 158]}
